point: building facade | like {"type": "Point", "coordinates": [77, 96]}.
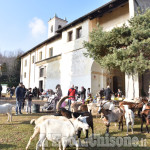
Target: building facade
{"type": "Point", "coordinates": [60, 59]}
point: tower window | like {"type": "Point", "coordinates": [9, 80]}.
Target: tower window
{"type": "Point", "coordinates": [59, 26]}
{"type": "Point", "coordinates": [70, 34]}
{"type": "Point", "coordinates": [79, 32]}
{"type": "Point", "coordinates": [52, 28]}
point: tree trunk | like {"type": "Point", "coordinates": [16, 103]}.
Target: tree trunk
{"type": "Point", "coordinates": [128, 86]}
{"type": "Point", "coordinates": [133, 86]}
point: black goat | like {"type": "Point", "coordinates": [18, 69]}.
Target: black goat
{"type": "Point", "coordinates": [89, 119]}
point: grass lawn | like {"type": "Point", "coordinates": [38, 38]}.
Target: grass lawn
{"type": "Point", "coordinates": [15, 135]}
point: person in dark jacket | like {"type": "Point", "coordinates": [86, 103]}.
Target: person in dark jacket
{"type": "Point", "coordinates": [24, 92]}
{"type": "Point", "coordinates": [12, 90]}
{"type": "Point", "coordinates": [101, 93]}
{"type": "Point", "coordinates": [77, 93]}
{"type": "Point", "coordinates": [29, 96]}
{"type": "Point", "coordinates": [83, 94]}
{"type": "Point", "coordinates": [35, 92]}
{"type": "Point", "coordinates": [0, 90]}
{"type": "Point", "coordinates": [19, 97]}
{"type": "Point", "coordinates": [108, 93]}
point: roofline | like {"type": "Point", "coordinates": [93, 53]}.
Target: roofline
{"type": "Point", "coordinates": [95, 13]}
{"type": "Point", "coordinates": [99, 12]}
{"type": "Point", "coordinates": [46, 41]}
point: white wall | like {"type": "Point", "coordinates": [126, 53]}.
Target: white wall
{"type": "Point", "coordinates": [52, 74]}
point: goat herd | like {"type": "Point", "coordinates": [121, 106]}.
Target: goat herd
{"type": "Point", "coordinates": [67, 124]}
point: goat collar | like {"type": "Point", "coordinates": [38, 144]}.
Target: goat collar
{"type": "Point", "coordinates": [72, 125]}
{"type": "Point", "coordinates": [104, 104]}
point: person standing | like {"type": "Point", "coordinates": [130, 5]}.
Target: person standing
{"type": "Point", "coordinates": [24, 92]}
{"type": "Point", "coordinates": [88, 92]}
{"type": "Point", "coordinates": [77, 93]}
{"type": "Point", "coordinates": [71, 93]}
{"type": "Point", "coordinates": [83, 94]}
{"type": "Point", "coordinates": [29, 96]}
{"type": "Point", "coordinates": [35, 92]}
{"type": "Point", "coordinates": [58, 95]}
{"type": "Point", "coordinates": [108, 93]}
{"type": "Point", "coordinates": [101, 93]}
{"type": "Point", "coordinates": [12, 90]}
{"type": "Point", "coordinates": [19, 97]}
{"type": "Point", "coordinates": [0, 90]}
{"type": "Point", "coordinates": [119, 93]}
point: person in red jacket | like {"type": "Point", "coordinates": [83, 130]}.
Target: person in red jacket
{"type": "Point", "coordinates": [71, 93]}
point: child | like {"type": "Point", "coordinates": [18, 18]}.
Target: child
{"type": "Point", "coordinates": [29, 96]}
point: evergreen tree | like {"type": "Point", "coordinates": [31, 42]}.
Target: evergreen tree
{"type": "Point", "coordinates": [126, 48]}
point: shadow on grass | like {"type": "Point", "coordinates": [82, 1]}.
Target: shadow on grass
{"type": "Point", "coordinates": [7, 146]}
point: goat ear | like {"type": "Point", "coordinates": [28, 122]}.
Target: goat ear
{"type": "Point", "coordinates": [86, 116]}
{"type": "Point", "coordinates": [79, 116]}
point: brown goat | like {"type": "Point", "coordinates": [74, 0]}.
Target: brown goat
{"type": "Point", "coordinates": [145, 118]}
{"type": "Point", "coordinates": [83, 108]}
{"type": "Point", "coordinates": [75, 106]}
{"type": "Point", "coordinates": [133, 106]}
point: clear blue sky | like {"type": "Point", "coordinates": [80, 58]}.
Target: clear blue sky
{"type": "Point", "coordinates": [23, 23]}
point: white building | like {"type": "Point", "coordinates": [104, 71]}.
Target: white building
{"type": "Point", "coordinates": [60, 59]}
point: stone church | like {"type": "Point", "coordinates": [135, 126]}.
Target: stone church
{"type": "Point", "coordinates": [60, 58]}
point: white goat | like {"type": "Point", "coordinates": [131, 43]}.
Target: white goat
{"type": "Point", "coordinates": [60, 131]}
{"type": "Point", "coordinates": [7, 109]}
{"type": "Point", "coordinates": [41, 119]}
{"type": "Point", "coordinates": [129, 116]}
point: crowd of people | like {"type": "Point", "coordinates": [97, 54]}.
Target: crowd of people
{"type": "Point", "coordinates": [23, 94]}
{"type": "Point", "coordinates": [107, 93]}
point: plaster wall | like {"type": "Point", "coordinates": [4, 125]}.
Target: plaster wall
{"type": "Point", "coordinates": [115, 18]}
{"type": "Point", "coordinates": [75, 69]}
{"type": "Point", "coordinates": [52, 75]}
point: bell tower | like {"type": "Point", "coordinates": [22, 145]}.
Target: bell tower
{"type": "Point", "coordinates": [54, 24]}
